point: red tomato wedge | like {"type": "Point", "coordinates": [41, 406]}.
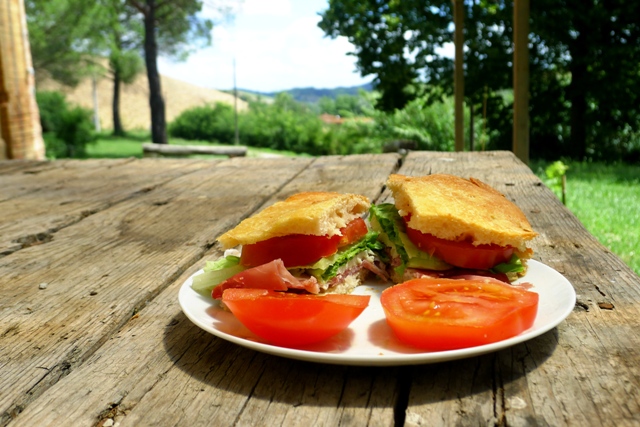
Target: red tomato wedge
{"type": "Point", "coordinates": [448, 314]}
{"type": "Point", "coordinates": [460, 254]}
{"type": "Point", "coordinates": [353, 232]}
{"type": "Point", "coordinates": [301, 249]}
{"type": "Point", "coordinates": [293, 320]}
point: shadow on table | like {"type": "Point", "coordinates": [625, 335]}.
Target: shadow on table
{"type": "Point", "coordinates": [220, 364]}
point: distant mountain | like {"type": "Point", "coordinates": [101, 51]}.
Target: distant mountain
{"type": "Point", "coordinates": [310, 94]}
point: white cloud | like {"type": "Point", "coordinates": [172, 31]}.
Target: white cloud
{"type": "Point", "coordinates": [276, 46]}
{"type": "Point", "coordinates": [266, 8]}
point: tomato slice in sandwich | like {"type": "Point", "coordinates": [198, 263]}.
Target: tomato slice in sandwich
{"type": "Point", "coordinates": [292, 320]}
{"type": "Point", "coordinates": [448, 314]}
{"type": "Point", "coordinates": [460, 254]}
{"type": "Point", "coordinates": [299, 249]}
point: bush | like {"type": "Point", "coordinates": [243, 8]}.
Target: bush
{"type": "Point", "coordinates": [292, 126]}
{"type": "Point", "coordinates": [431, 127]}
{"type": "Point", "coordinates": [283, 125]}
{"type": "Point", "coordinates": [76, 130]}
{"type": "Point", "coordinates": [214, 123]}
{"type": "Point", "coordinates": [66, 131]}
{"type": "Point", "coordinates": [51, 106]}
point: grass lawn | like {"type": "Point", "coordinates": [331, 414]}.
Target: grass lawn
{"type": "Point", "coordinates": [606, 199]}
{"type": "Point", "coordinates": [107, 146]}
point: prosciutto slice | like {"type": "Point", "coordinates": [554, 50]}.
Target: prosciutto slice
{"type": "Point", "coordinates": [271, 276]}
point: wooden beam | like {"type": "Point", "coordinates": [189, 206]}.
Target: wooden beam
{"type": "Point", "coordinates": [521, 79]}
{"type": "Point", "coordinates": [155, 150]}
{"type": "Point", "coordinates": [19, 115]}
{"type": "Point", "coordinates": [458, 74]}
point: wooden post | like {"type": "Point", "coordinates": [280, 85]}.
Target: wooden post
{"type": "Point", "coordinates": [521, 79]}
{"type": "Point", "coordinates": [19, 116]}
{"type": "Point", "coordinates": [236, 139]}
{"type": "Point", "coordinates": [458, 74]}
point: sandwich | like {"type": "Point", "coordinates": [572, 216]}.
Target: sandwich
{"type": "Point", "coordinates": [312, 242]}
{"type": "Point", "coordinates": [444, 226]}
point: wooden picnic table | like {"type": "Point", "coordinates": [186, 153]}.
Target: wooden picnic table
{"type": "Point", "coordinates": [93, 254]}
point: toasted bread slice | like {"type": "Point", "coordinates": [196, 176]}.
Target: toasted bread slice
{"type": "Point", "coordinates": [310, 213]}
{"type": "Point", "coordinates": [458, 209]}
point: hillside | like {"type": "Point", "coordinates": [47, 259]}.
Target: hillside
{"type": "Point", "coordinates": [134, 99]}
{"type": "Point", "coordinates": [311, 94]}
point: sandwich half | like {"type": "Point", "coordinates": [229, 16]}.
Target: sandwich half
{"type": "Point", "coordinates": [442, 225]}
{"type": "Point", "coordinates": [315, 242]}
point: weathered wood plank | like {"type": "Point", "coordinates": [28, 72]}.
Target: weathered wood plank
{"type": "Point", "coordinates": [176, 374]}
{"type": "Point", "coordinates": [160, 369]}
{"type": "Point", "coordinates": [535, 382]}
{"type": "Point", "coordinates": [12, 166]}
{"type": "Point", "coordinates": [101, 270]}
{"type": "Point", "coordinates": [39, 201]}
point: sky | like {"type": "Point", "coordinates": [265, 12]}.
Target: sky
{"type": "Point", "coordinates": [276, 45]}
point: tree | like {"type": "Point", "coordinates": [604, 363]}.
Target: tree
{"type": "Point", "coordinates": [584, 64]}
{"type": "Point", "coordinates": [68, 35]}
{"type": "Point", "coordinates": [168, 27]}
{"type": "Point", "coordinates": [124, 37]}
{"type": "Point", "coordinates": [71, 36]}
{"type": "Point", "coordinates": [589, 56]}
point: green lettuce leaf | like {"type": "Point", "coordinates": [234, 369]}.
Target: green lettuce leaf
{"type": "Point", "coordinates": [327, 268]}
{"type": "Point", "coordinates": [392, 225]}
{"type": "Point", "coordinates": [216, 272]}
{"type": "Point", "coordinates": [514, 265]}
{"type": "Point", "coordinates": [386, 219]}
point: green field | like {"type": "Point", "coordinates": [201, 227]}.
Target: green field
{"type": "Point", "coordinates": [605, 198]}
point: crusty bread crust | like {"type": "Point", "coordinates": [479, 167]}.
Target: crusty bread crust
{"type": "Point", "coordinates": [310, 213]}
{"type": "Point", "coordinates": [458, 209]}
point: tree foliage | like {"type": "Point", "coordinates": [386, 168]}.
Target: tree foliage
{"type": "Point", "coordinates": [64, 36]}
{"type": "Point", "coordinates": [585, 64]}
{"type": "Point", "coordinates": [346, 105]}
{"type": "Point", "coordinates": [395, 41]}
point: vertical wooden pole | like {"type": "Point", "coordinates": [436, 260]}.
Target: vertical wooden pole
{"type": "Point", "coordinates": [521, 79]}
{"type": "Point", "coordinates": [19, 115]}
{"type": "Point", "coordinates": [236, 139]}
{"type": "Point", "coordinates": [458, 74]}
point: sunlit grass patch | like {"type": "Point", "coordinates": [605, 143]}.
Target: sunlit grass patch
{"type": "Point", "coordinates": [606, 199]}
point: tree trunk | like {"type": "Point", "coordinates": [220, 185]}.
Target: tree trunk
{"type": "Point", "coordinates": [158, 123]}
{"type": "Point", "coordinates": [576, 94]}
{"type": "Point", "coordinates": [472, 133]}
{"type": "Point", "coordinates": [118, 130]}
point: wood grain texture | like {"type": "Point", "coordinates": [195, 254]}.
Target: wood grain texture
{"type": "Point", "coordinates": [40, 201]}
{"type": "Point", "coordinates": [158, 371]}
{"type": "Point", "coordinates": [106, 340]}
{"type": "Point", "coordinates": [580, 373]}
{"type": "Point", "coordinates": [103, 269]}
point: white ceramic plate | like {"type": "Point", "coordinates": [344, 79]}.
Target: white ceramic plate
{"type": "Point", "coordinates": [368, 340]}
